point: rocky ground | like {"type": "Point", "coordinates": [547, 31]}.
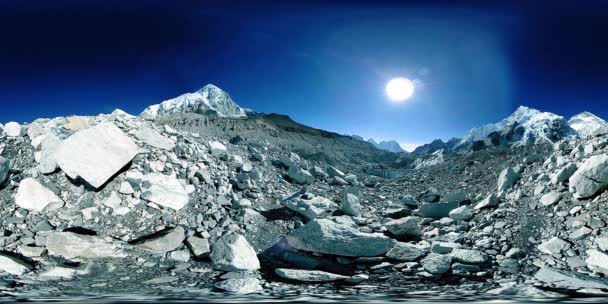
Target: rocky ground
{"type": "Point", "coordinates": [195, 207]}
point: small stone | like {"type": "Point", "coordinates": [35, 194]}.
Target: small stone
{"type": "Point", "coordinates": [199, 246]}
{"type": "Point", "coordinates": [550, 198]}
{"type": "Point", "coordinates": [308, 275]}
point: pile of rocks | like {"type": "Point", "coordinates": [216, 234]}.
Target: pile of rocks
{"type": "Point", "coordinates": [176, 207]}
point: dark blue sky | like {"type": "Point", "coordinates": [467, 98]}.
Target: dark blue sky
{"type": "Point", "coordinates": [325, 65]}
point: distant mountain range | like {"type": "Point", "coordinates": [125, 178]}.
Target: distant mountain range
{"type": "Point", "coordinates": [388, 145]}
{"type": "Point", "coordinates": [524, 126]}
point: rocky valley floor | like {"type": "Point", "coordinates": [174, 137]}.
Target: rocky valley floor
{"type": "Point", "coordinates": [116, 207]}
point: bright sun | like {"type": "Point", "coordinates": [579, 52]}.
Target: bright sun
{"type": "Point", "coordinates": [399, 89]}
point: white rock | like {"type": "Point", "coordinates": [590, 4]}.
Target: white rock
{"type": "Point", "coordinates": [154, 139]}
{"type": "Point", "coordinates": [240, 286]}
{"type": "Point", "coordinates": [550, 198]}
{"type": "Point", "coordinates": [32, 195]}
{"type": "Point", "coordinates": [507, 179]}
{"type": "Point", "coordinates": [308, 275]}
{"type": "Point", "coordinates": [13, 265]}
{"type": "Point", "coordinates": [463, 213]}
{"type": "Point", "coordinates": [489, 201]}
{"type": "Point", "coordinates": [126, 188]}
{"type": "Point", "coordinates": [350, 205]}
{"type": "Point", "coordinates": [299, 175]}
{"type": "Point", "coordinates": [96, 154]}
{"type": "Point", "coordinates": [554, 246]}
{"type": "Point", "coordinates": [72, 245]}
{"type": "Point", "coordinates": [232, 252]}
{"type": "Point", "coordinates": [314, 207]}
{"type": "Point", "coordinates": [591, 177]}
{"type": "Point", "coordinates": [217, 148]}
{"type": "Point", "coordinates": [164, 190]}
{"type": "Point", "coordinates": [597, 259]}
{"type": "Point", "coordinates": [12, 129]}
{"type": "Point", "coordinates": [48, 162]}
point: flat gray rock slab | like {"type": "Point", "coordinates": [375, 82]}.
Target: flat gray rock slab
{"type": "Point", "coordinates": [72, 245]}
{"type": "Point", "coordinates": [154, 139]}
{"type": "Point", "coordinates": [568, 279]}
{"type": "Point", "coordinates": [326, 236]}
{"type": "Point", "coordinates": [308, 275]}
{"type": "Point", "coordinates": [166, 242]}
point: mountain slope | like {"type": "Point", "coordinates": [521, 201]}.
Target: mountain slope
{"type": "Point", "coordinates": [587, 124]}
{"type": "Point", "coordinates": [209, 99]}
{"type": "Point", "coordinates": [524, 126]}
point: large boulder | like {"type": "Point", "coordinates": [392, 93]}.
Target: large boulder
{"type": "Point", "coordinates": [436, 263]}
{"type": "Point", "coordinates": [591, 177]}
{"type": "Point", "coordinates": [463, 213]}
{"type": "Point", "coordinates": [154, 139]}
{"type": "Point", "coordinates": [96, 154]}
{"type": "Point", "coordinates": [311, 208]}
{"type": "Point", "coordinates": [232, 252]}
{"type": "Point", "coordinates": [13, 265]}
{"type": "Point", "coordinates": [490, 201]}
{"type": "Point", "coordinates": [32, 195]}
{"type": "Point", "coordinates": [48, 147]}
{"type": "Point", "coordinates": [299, 175]}
{"type": "Point", "coordinates": [326, 236]}
{"type": "Point", "coordinates": [71, 245]}
{"type": "Point", "coordinates": [164, 190]}
{"type": "Point", "coordinates": [404, 227]}
{"type": "Point", "coordinates": [165, 242]}
{"type": "Point", "coordinates": [568, 279]}
{"type": "Point", "coordinates": [350, 205]}
{"type": "Point", "coordinates": [554, 246]}
{"type": "Point", "coordinates": [406, 252]}
{"type": "Point", "coordinates": [12, 129]}
{"type": "Point", "coordinates": [507, 179]}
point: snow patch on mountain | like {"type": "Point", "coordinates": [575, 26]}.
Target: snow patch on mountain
{"type": "Point", "coordinates": [587, 124]}
{"type": "Point", "coordinates": [208, 99]}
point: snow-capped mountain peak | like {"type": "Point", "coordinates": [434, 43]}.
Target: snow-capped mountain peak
{"type": "Point", "coordinates": [525, 125]}
{"type": "Point", "coordinates": [210, 98]}
{"type": "Point", "coordinates": [587, 124]}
